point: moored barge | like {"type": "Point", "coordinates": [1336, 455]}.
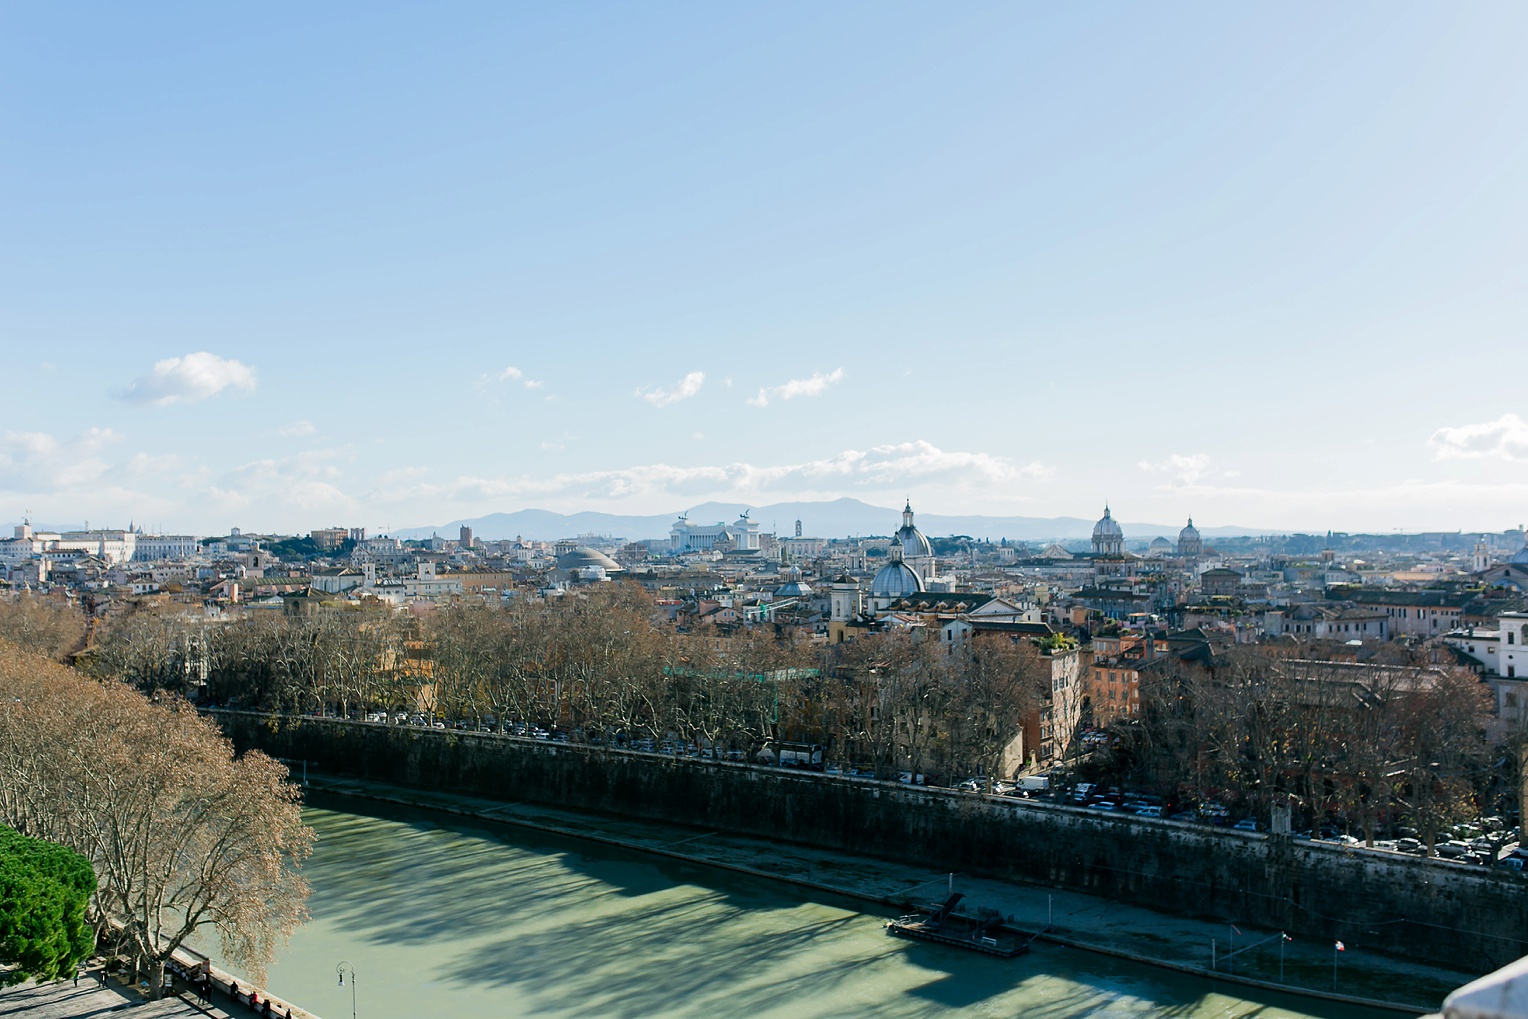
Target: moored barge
{"type": "Point", "coordinates": [943, 927]}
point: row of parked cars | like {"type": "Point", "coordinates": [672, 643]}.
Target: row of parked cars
{"type": "Point", "coordinates": [1489, 841]}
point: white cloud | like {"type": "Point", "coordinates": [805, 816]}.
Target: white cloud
{"type": "Point", "coordinates": [682, 390]}
{"type": "Point", "coordinates": [1506, 438]}
{"type": "Point", "coordinates": [189, 379]}
{"type": "Point", "coordinates": [814, 386]}
{"type": "Point", "coordinates": [37, 462]}
{"type": "Point", "coordinates": [1182, 470]}
{"type": "Point", "coordinates": [888, 469]}
{"type": "Point", "coordinates": [296, 430]}
{"type": "Point", "coordinates": [307, 481]}
{"type": "Point", "coordinates": [509, 374]}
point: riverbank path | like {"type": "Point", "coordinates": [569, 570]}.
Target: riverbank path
{"type": "Point", "coordinates": [66, 1000]}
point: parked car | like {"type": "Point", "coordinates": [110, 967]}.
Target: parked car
{"type": "Point", "coordinates": [1246, 824]}
{"type": "Point", "coordinates": [970, 785]}
{"type": "Point", "coordinates": [1004, 788]}
{"type": "Point", "coordinates": [1149, 810]}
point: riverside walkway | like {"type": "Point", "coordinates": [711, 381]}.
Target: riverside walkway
{"type": "Point", "coordinates": [66, 1000]}
{"type": "Point", "coordinates": [1070, 918]}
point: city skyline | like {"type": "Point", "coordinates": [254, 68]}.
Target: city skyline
{"type": "Point", "coordinates": [1199, 262]}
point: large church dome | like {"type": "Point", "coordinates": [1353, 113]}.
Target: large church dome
{"type": "Point", "coordinates": [1521, 558]}
{"type": "Point", "coordinates": [1189, 541]}
{"type": "Point", "coordinates": [914, 544]}
{"type": "Point", "coordinates": [1108, 538]}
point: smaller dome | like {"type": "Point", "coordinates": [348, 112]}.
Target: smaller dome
{"type": "Point", "coordinates": [794, 586]}
{"type": "Point", "coordinates": [896, 580]}
{"type": "Point", "coordinates": [1160, 544]}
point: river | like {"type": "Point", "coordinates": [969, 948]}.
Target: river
{"type": "Point", "coordinates": [444, 916]}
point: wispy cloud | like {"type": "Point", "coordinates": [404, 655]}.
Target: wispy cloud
{"type": "Point", "coordinates": [1506, 438]}
{"type": "Point", "coordinates": [889, 468]}
{"type": "Point", "coordinates": [308, 481]}
{"type": "Point", "coordinates": [512, 374]}
{"type": "Point", "coordinates": [1180, 469]}
{"type": "Point", "coordinates": [814, 386]}
{"type": "Point", "coordinates": [189, 379]}
{"type": "Point", "coordinates": [43, 463]}
{"type": "Point", "coordinates": [296, 430]}
{"type": "Point", "coordinates": [681, 390]}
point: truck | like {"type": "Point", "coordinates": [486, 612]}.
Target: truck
{"type": "Point", "coordinates": [1034, 783]}
{"type": "Point", "coordinates": [798, 755]}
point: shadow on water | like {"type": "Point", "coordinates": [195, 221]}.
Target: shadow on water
{"type": "Point", "coordinates": [540, 924]}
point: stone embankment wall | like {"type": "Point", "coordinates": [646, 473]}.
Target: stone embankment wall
{"type": "Point", "coordinates": [1467, 917]}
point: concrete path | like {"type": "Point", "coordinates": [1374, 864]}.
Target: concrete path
{"type": "Point", "coordinates": [65, 1000]}
{"type": "Point", "coordinates": [1075, 919]}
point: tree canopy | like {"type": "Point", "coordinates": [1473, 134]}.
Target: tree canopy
{"type": "Point", "coordinates": [44, 891]}
{"type": "Point", "coordinates": [184, 835]}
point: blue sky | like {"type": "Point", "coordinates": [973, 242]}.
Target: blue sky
{"type": "Point", "coordinates": [299, 265]}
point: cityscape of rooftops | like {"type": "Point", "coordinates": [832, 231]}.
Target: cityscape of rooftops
{"type": "Point", "coordinates": [849, 509]}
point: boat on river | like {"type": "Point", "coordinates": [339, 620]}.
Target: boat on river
{"type": "Point", "coordinates": [941, 926]}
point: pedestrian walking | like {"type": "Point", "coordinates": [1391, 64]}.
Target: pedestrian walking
{"type": "Point", "coordinates": [76, 976]}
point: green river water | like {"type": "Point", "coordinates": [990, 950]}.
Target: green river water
{"type": "Point", "coordinates": [444, 916]}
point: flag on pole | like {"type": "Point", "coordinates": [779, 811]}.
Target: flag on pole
{"type": "Point", "coordinates": [1238, 933]}
{"type": "Point", "coordinates": [1341, 947]}
{"type": "Point", "coordinates": [1286, 937]}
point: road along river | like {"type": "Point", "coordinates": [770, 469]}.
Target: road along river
{"type": "Point", "coordinates": [442, 915]}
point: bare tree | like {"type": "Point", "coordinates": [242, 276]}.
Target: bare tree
{"type": "Point", "coordinates": [184, 836]}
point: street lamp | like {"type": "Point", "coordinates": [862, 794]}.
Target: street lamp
{"type": "Point", "coordinates": [341, 969]}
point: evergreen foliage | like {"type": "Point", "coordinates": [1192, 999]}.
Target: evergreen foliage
{"type": "Point", "coordinates": [44, 890]}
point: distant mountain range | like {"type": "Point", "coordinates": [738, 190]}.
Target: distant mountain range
{"type": "Point", "coordinates": [837, 519]}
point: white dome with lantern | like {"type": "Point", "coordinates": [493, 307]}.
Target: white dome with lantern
{"type": "Point", "coordinates": [1189, 542]}
{"type": "Point", "coordinates": [1108, 538]}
